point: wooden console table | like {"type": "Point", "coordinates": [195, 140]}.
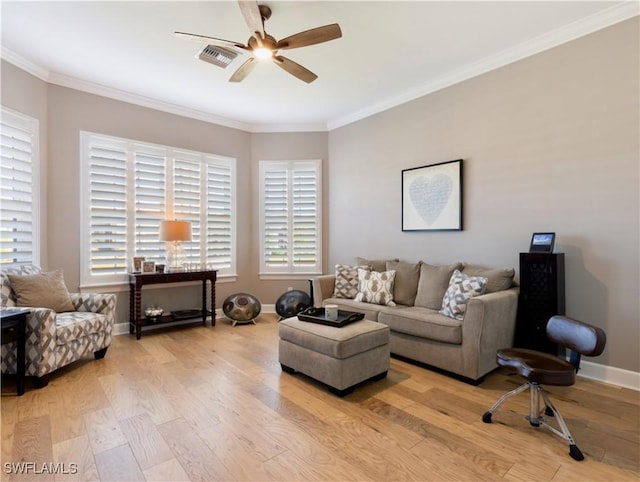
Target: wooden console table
{"type": "Point", "coordinates": [138, 280]}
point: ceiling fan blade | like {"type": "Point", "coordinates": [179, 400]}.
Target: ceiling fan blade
{"type": "Point", "coordinates": [295, 69]}
{"type": "Point", "coordinates": [244, 70]}
{"type": "Point", "coordinates": [211, 40]}
{"type": "Point", "coordinates": [252, 16]}
{"type": "Point", "coordinates": [311, 37]}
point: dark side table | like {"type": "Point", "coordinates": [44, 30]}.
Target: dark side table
{"type": "Point", "coordinates": [138, 280]}
{"type": "Point", "coordinates": [14, 321]}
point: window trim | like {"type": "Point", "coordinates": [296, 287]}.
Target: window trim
{"type": "Point", "coordinates": [23, 121]}
{"type": "Point", "coordinates": [131, 147]}
{"type": "Point", "coordinates": [291, 272]}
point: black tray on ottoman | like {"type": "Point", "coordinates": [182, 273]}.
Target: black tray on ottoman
{"type": "Point", "coordinates": [318, 315]}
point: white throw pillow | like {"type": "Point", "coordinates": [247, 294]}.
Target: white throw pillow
{"type": "Point", "coordinates": [376, 287]}
{"type": "Point", "coordinates": [461, 289]}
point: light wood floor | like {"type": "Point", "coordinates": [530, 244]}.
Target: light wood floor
{"type": "Point", "coordinates": [212, 404]}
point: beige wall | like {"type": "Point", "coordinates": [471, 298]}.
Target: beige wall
{"type": "Point", "coordinates": [550, 143]}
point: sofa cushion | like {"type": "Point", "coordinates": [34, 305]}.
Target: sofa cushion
{"type": "Point", "coordinates": [42, 290]}
{"type": "Point", "coordinates": [376, 287]}
{"type": "Point", "coordinates": [461, 289]}
{"type": "Point", "coordinates": [434, 281]}
{"type": "Point", "coordinates": [405, 285]}
{"type": "Point", "coordinates": [376, 264]}
{"type": "Point", "coordinates": [498, 279]}
{"type": "Point", "coordinates": [423, 323]}
{"type": "Point", "coordinates": [346, 284]}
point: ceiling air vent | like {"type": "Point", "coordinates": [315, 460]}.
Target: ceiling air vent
{"type": "Point", "coordinates": [217, 55]}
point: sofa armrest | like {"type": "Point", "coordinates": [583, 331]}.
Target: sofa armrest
{"type": "Point", "coordinates": [323, 287]}
{"type": "Point", "coordinates": [104, 304]}
{"type": "Point", "coordinates": [489, 324]}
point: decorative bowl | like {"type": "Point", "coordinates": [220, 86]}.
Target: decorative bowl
{"type": "Point", "coordinates": [153, 314]}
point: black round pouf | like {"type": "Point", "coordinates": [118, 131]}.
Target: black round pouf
{"type": "Point", "coordinates": [292, 302]}
{"type": "Point", "coordinates": [241, 308]}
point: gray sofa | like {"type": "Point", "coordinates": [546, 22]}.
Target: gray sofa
{"type": "Point", "coordinates": [465, 347]}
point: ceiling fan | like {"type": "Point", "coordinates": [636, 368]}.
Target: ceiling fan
{"type": "Point", "coordinates": [264, 47]}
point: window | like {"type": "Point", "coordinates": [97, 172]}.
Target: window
{"type": "Point", "coordinates": [129, 187]}
{"type": "Point", "coordinates": [290, 218]}
{"type": "Point", "coordinates": [19, 189]}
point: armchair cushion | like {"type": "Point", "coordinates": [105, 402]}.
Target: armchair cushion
{"type": "Point", "coordinates": [43, 290]}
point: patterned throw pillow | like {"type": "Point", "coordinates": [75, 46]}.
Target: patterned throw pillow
{"type": "Point", "coordinates": [346, 285]}
{"type": "Point", "coordinates": [376, 287]}
{"type": "Point", "coordinates": [461, 289]}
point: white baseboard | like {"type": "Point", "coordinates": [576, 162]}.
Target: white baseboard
{"type": "Point", "coordinates": [593, 371]}
{"type": "Point", "coordinates": [612, 375]}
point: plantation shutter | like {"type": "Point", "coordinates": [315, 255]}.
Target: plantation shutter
{"type": "Point", "coordinates": [107, 183]}
{"type": "Point", "coordinates": [305, 219]}
{"type": "Point", "coordinates": [17, 184]}
{"type": "Point", "coordinates": [291, 229]}
{"type": "Point", "coordinates": [219, 215]}
{"type": "Point", "coordinates": [150, 202]}
{"type": "Point", "coordinates": [187, 188]}
{"type": "Point", "coordinates": [130, 187]}
{"type": "Point", "coordinates": [275, 232]}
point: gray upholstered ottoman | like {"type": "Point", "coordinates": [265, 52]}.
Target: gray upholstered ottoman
{"type": "Point", "coordinates": [339, 357]}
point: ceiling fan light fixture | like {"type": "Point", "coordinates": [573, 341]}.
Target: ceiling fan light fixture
{"type": "Point", "coordinates": [263, 53]}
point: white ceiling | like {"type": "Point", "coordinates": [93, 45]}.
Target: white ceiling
{"type": "Point", "coordinates": [390, 52]}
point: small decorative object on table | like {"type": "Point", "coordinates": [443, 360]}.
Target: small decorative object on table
{"type": "Point", "coordinates": [136, 263]}
{"type": "Point", "coordinates": [148, 267]}
{"type": "Point", "coordinates": [153, 313]}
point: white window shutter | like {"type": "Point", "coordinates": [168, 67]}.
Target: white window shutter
{"type": "Point", "coordinates": [275, 217]}
{"type": "Point", "coordinates": [290, 198]}
{"type": "Point", "coordinates": [107, 206]}
{"type": "Point", "coordinates": [305, 219]}
{"type": "Point", "coordinates": [18, 188]}
{"type": "Point", "coordinates": [220, 215]}
{"type": "Point", "coordinates": [129, 187]}
{"type": "Point", "coordinates": [150, 202]}
{"type": "Point", "coordinates": [187, 200]}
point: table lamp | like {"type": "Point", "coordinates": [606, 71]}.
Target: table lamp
{"type": "Point", "coordinates": [174, 232]}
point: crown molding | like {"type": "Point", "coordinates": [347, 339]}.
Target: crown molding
{"type": "Point", "coordinates": [567, 33]}
{"type": "Point", "coordinates": [143, 101]}
{"type": "Point", "coordinates": [24, 64]}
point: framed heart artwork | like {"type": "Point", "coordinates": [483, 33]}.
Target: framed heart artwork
{"type": "Point", "coordinates": [432, 197]}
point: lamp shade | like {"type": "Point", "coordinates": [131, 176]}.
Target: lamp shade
{"type": "Point", "coordinates": [173, 230]}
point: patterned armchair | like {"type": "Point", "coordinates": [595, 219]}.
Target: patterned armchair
{"type": "Point", "coordinates": [56, 339]}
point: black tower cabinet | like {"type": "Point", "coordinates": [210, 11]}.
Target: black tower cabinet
{"type": "Point", "coordinates": [541, 297]}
